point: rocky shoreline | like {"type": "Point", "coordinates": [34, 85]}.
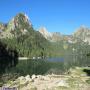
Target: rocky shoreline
{"type": "Point", "coordinates": [76, 80]}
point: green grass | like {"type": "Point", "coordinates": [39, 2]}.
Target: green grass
{"type": "Point", "coordinates": [88, 81]}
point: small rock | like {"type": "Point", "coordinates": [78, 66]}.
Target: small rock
{"type": "Point", "coordinates": [40, 77]}
{"type": "Point", "coordinates": [28, 78]}
{"type": "Point", "coordinates": [46, 78]}
{"type": "Point", "coordinates": [21, 78]}
{"type": "Point", "coordinates": [62, 83]}
{"type": "Point", "coordinates": [33, 76]}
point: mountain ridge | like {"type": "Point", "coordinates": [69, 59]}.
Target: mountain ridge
{"type": "Point", "coordinates": [82, 33]}
{"type": "Point", "coordinates": [21, 24]}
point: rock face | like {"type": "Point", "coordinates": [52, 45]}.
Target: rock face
{"type": "Point", "coordinates": [56, 36]}
{"type": "Point", "coordinates": [18, 25]}
{"type": "Point", "coordinates": [45, 33]}
{"type": "Point", "coordinates": [53, 37]}
{"type": "Point", "coordinates": [83, 33]}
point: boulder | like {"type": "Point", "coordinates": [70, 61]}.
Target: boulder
{"type": "Point", "coordinates": [21, 78]}
{"type": "Point", "coordinates": [28, 78]}
{"type": "Point", "coordinates": [62, 83]}
{"type": "Point", "coordinates": [33, 76]}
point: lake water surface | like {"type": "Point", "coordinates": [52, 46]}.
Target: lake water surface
{"type": "Point", "coordinates": [55, 59]}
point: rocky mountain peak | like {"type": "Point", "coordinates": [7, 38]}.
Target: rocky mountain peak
{"type": "Point", "coordinates": [53, 37]}
{"type": "Point", "coordinates": [19, 20]}
{"type": "Point", "coordinates": [20, 24]}
{"type": "Point", "coordinates": [45, 33]}
{"type": "Point", "coordinates": [82, 29]}
{"type": "Point", "coordinates": [43, 30]}
{"type": "Point", "coordinates": [22, 16]}
{"type": "Point", "coordinates": [83, 33]}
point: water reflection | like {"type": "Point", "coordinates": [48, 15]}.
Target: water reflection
{"type": "Point", "coordinates": [57, 59]}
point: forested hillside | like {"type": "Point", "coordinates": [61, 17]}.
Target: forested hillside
{"type": "Point", "coordinates": [20, 35]}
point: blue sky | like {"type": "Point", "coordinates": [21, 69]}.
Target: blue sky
{"type": "Point", "coordinates": [63, 16]}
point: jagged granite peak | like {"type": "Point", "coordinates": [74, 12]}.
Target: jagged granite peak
{"type": "Point", "coordinates": [56, 36]}
{"type": "Point", "coordinates": [82, 33]}
{"type": "Point", "coordinates": [81, 30]}
{"type": "Point", "coordinates": [53, 37]}
{"type": "Point", "coordinates": [24, 17]}
{"type": "Point", "coordinates": [45, 33]}
{"type": "Point", "coordinates": [18, 21]}
{"type": "Point", "coordinates": [20, 24]}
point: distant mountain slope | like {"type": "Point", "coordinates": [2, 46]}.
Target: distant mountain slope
{"type": "Point", "coordinates": [53, 37]}
{"type": "Point", "coordinates": [83, 34]}
{"type": "Point", "coordinates": [56, 36]}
